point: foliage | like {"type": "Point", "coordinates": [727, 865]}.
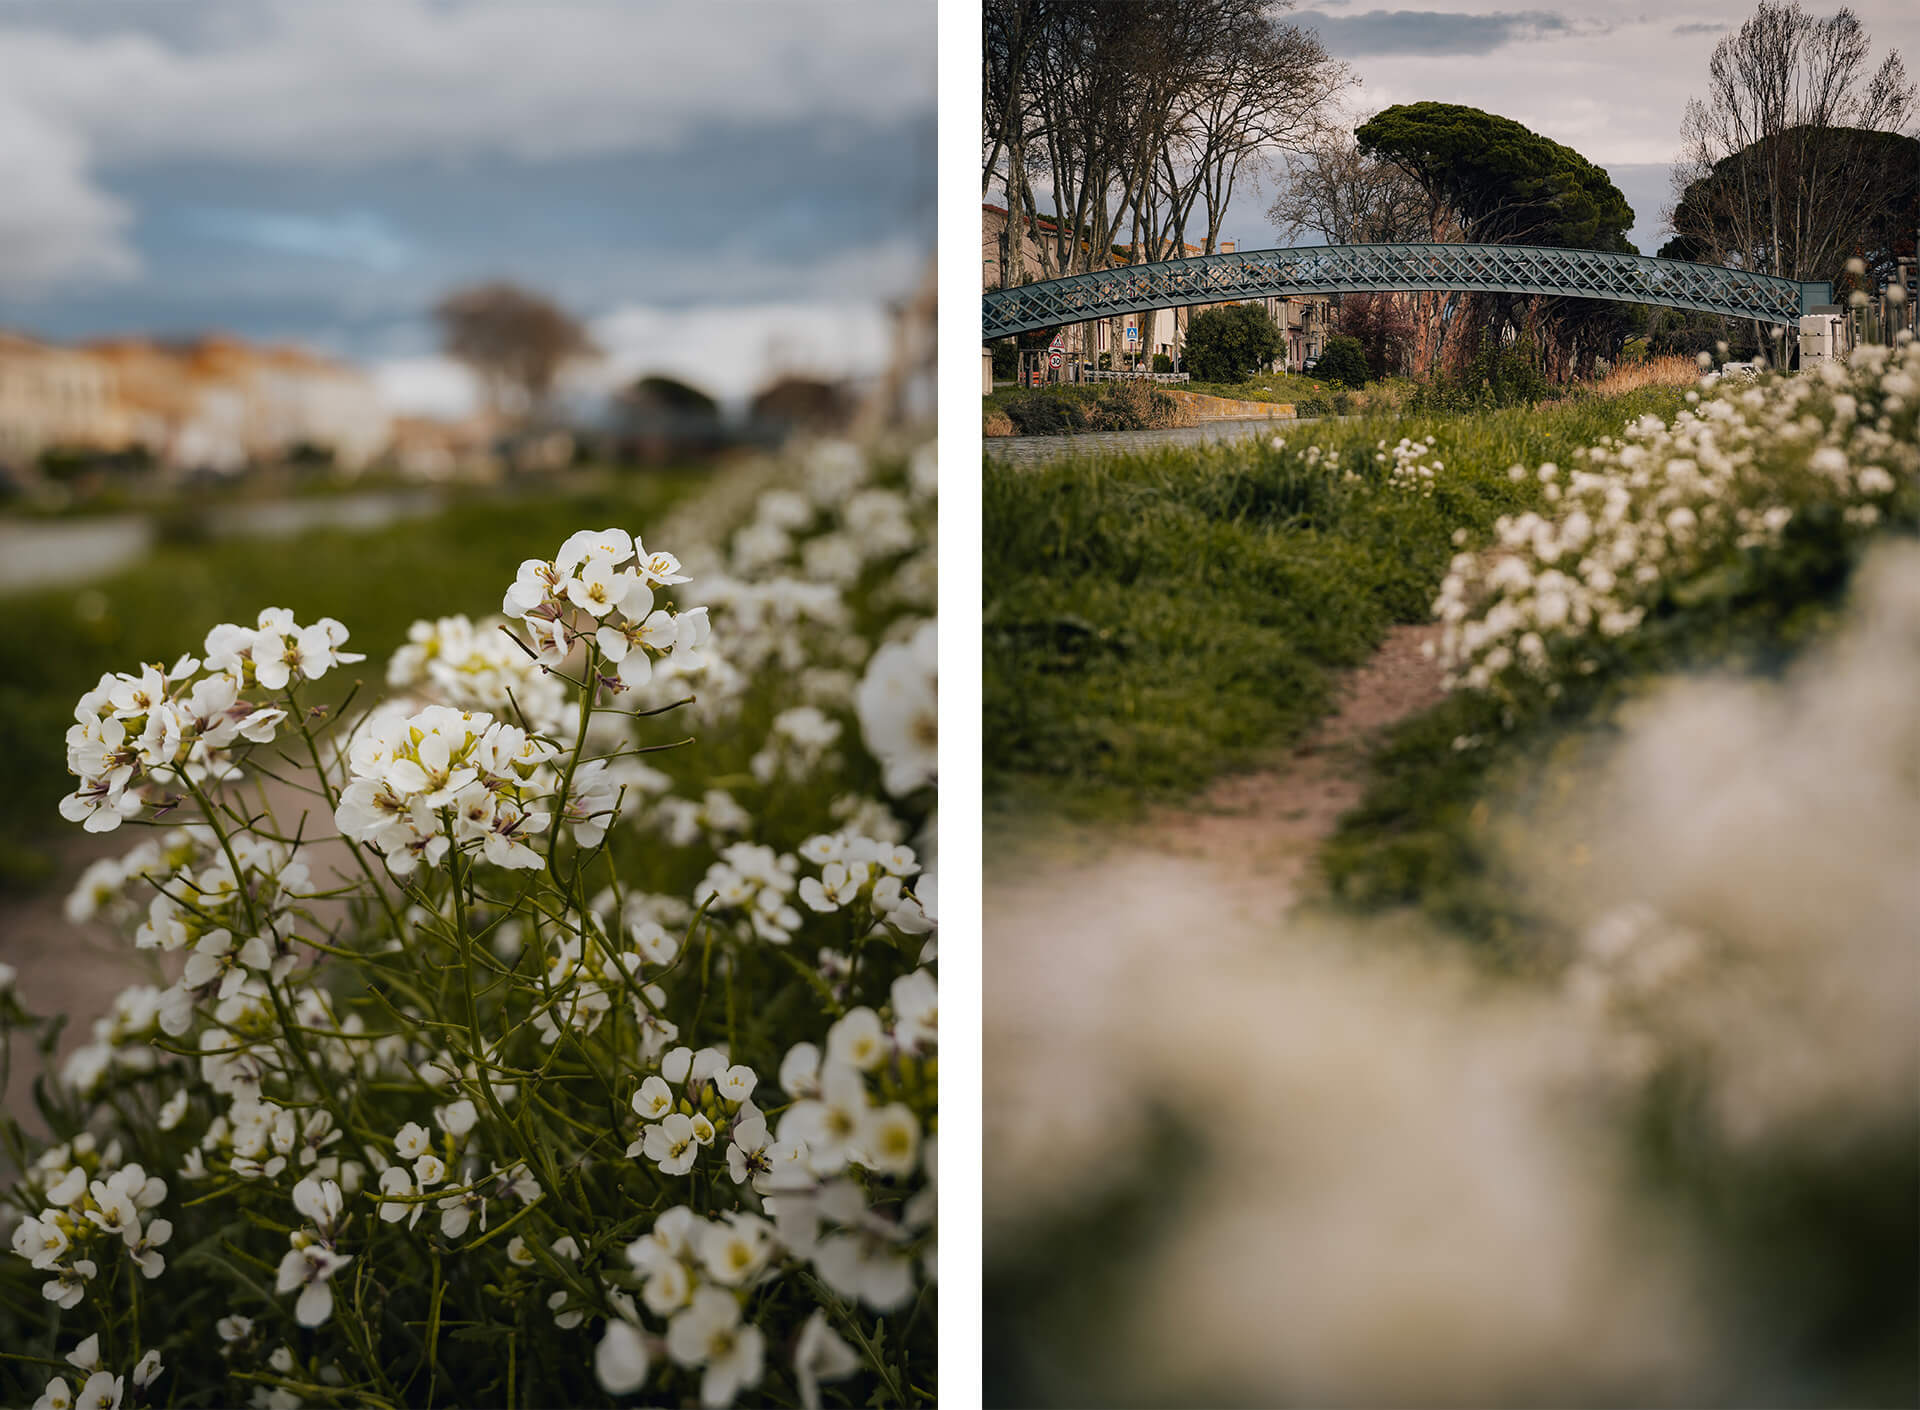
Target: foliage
{"type": "Point", "coordinates": [515, 341]}
{"type": "Point", "coordinates": [1348, 198]}
{"type": "Point", "coordinates": [1794, 159]}
{"type": "Point", "coordinates": [1162, 363]}
{"type": "Point", "coordinates": [1153, 619]}
{"type": "Point", "coordinates": [1498, 375]}
{"type": "Point", "coordinates": [422, 1121]}
{"type": "Point", "coordinates": [669, 394]}
{"type": "Point", "coordinates": [1506, 184]}
{"type": "Point", "coordinates": [1343, 361]}
{"type": "Point", "coordinates": [1383, 326]}
{"type": "Point", "coordinates": [1846, 191]}
{"type": "Point", "coordinates": [1006, 359]}
{"type": "Point", "coordinates": [1226, 344]}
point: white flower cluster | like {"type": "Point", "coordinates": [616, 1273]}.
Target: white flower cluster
{"type": "Point", "coordinates": [414, 1050]}
{"type": "Point", "coordinates": [476, 666]}
{"type": "Point", "coordinates": [1410, 467]}
{"type": "Point", "coordinates": [1666, 503]}
{"type": "Point", "coordinates": [601, 586]}
{"type": "Point", "coordinates": [447, 777]}
{"type": "Point", "coordinates": [138, 738]}
{"type": "Point", "coordinates": [93, 1209]}
{"type": "Point", "coordinates": [855, 869]}
{"type": "Point", "coordinates": [850, 1112]}
{"type": "Point", "coordinates": [756, 881]}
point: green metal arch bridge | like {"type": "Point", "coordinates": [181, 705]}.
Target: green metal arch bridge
{"type": "Point", "coordinates": [1355, 269]}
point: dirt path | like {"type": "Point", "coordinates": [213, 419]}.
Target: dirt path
{"type": "Point", "coordinates": [1089, 930]}
{"type": "Point", "coordinates": [79, 969]}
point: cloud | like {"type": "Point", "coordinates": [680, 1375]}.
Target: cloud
{"type": "Point", "coordinates": [365, 80]}
{"type": "Point", "coordinates": [1430, 32]}
{"type": "Point", "coordinates": [56, 226]}
{"type": "Point", "coordinates": [1701, 28]}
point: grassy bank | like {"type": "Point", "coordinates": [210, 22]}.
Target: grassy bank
{"type": "Point", "coordinates": [54, 644]}
{"type": "Point", "coordinates": [1153, 620]}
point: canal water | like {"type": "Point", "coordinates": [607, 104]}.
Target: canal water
{"type": "Point", "coordinates": [1031, 450]}
{"type": "Point", "coordinates": [37, 553]}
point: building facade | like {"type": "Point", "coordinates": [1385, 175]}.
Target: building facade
{"type": "Point", "coordinates": [213, 404]}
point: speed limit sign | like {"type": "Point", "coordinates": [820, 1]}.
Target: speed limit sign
{"type": "Point", "coordinates": [1053, 358]}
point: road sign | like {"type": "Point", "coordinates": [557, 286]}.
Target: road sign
{"type": "Point", "coordinates": [1059, 342]}
{"type": "Point", "coordinates": [1053, 358]}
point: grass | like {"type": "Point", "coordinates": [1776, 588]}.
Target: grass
{"type": "Point", "coordinates": [1154, 620]}
{"type": "Point", "coordinates": [55, 644]}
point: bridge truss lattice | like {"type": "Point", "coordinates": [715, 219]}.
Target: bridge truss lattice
{"type": "Point", "coordinates": [1352, 269]}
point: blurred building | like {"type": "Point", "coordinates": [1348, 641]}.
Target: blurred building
{"type": "Point", "coordinates": [54, 397]}
{"type": "Point", "coordinates": [212, 404]}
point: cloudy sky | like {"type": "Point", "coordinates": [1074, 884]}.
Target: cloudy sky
{"type": "Point", "coordinates": [1609, 78]}
{"type": "Point", "coordinates": [717, 190]}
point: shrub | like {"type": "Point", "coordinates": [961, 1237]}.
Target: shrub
{"type": "Point", "coordinates": [1006, 359]}
{"type": "Point", "coordinates": [1343, 361]}
{"type": "Point", "coordinates": [1134, 406]}
{"type": "Point", "coordinates": [428, 1114]}
{"type": "Point", "coordinates": [1496, 376]}
{"type": "Point", "coordinates": [1046, 413]}
{"type": "Point", "coordinates": [1226, 344]}
{"type": "Point", "coordinates": [1162, 363]}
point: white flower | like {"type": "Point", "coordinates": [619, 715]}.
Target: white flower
{"type": "Point", "coordinates": [654, 1099]}
{"type": "Point", "coordinates": [457, 1119]}
{"type": "Point", "coordinates": [394, 1180]}
{"type": "Point", "coordinates": [413, 1141]}
{"type": "Point", "coordinates": [916, 1011]}
{"type": "Point", "coordinates": [620, 1361]}
{"type": "Point", "coordinates": [858, 1039]}
{"type": "Point", "coordinates": [309, 1269]}
{"type": "Point", "coordinates": [746, 1155]}
{"type": "Point", "coordinates": [672, 1145]}
{"type": "Point", "coordinates": [57, 1396]}
{"type": "Point", "coordinates": [865, 1267]}
{"type": "Point", "coordinates": [145, 1249]}
{"type": "Point", "coordinates": [565, 1316]}
{"type": "Point", "coordinates": [667, 1288]}
{"type": "Point", "coordinates": [147, 1370]}
{"type": "Point", "coordinates": [321, 1202]}
{"type": "Point", "coordinates": [800, 1071]}
{"type": "Point", "coordinates": [709, 1333]}
{"type": "Point", "coordinates": [70, 1284]}
{"type": "Point", "coordinates": [830, 1127]}
{"type": "Point", "coordinates": [734, 1251]}
{"type": "Point", "coordinates": [173, 1110]}
{"type": "Point", "coordinates": [101, 1392]}
{"type": "Point", "coordinates": [820, 1355]}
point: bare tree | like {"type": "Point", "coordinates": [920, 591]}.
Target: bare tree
{"type": "Point", "coordinates": [1781, 161]}
{"type": "Point", "coordinates": [1348, 198]}
{"type": "Point", "coordinates": [514, 340]}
